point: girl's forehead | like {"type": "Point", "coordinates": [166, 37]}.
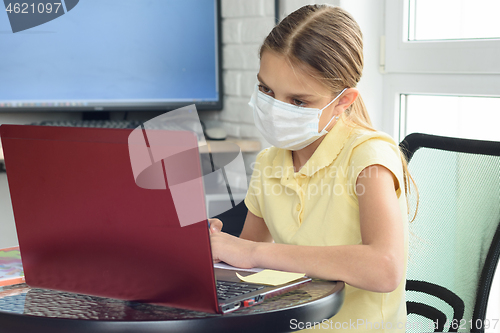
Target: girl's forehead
{"type": "Point", "coordinates": [279, 74]}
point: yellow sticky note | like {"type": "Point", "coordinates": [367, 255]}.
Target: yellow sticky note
{"type": "Point", "coordinates": [271, 277]}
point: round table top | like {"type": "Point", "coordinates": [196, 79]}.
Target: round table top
{"type": "Point", "coordinates": [23, 309]}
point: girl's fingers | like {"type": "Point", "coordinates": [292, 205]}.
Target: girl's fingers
{"type": "Point", "coordinates": [215, 225]}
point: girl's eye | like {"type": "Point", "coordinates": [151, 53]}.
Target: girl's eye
{"type": "Point", "coordinates": [298, 102]}
{"type": "Point", "coordinates": [265, 89]}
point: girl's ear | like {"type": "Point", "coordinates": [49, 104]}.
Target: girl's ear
{"type": "Point", "coordinates": [347, 98]}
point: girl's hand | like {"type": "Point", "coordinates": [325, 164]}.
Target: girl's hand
{"type": "Point", "coordinates": [232, 250]}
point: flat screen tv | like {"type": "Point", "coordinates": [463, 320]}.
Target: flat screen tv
{"type": "Point", "coordinates": [114, 55]}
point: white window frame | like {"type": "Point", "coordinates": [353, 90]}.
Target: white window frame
{"type": "Point", "coordinates": [450, 67]}
{"type": "Point", "coordinates": [396, 85]}
{"type": "Point", "coordinates": [437, 56]}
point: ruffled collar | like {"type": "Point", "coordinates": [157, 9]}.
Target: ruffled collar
{"type": "Point", "coordinates": [324, 155]}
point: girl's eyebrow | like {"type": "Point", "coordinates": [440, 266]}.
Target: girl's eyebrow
{"type": "Point", "coordinates": [298, 96]}
{"type": "Point", "coordinates": [260, 79]}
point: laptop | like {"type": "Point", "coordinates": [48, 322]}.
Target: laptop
{"type": "Point", "coordinates": [85, 226]}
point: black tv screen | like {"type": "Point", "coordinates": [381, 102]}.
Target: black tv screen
{"type": "Point", "coordinates": [114, 55]}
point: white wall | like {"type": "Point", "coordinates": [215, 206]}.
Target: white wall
{"type": "Point", "coordinates": [8, 235]}
{"type": "Point", "coordinates": [245, 24]}
{"type": "Point", "coordinates": [370, 16]}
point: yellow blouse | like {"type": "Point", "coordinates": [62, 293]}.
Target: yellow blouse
{"type": "Point", "coordinates": [318, 205]}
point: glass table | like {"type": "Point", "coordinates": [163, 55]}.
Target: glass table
{"type": "Point", "coordinates": [25, 309]}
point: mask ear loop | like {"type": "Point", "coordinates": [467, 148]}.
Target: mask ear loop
{"type": "Point", "coordinates": [336, 117]}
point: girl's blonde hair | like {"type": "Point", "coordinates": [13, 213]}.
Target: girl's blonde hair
{"type": "Point", "coordinates": [329, 42]}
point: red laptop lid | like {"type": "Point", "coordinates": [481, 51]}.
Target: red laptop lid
{"type": "Point", "coordinates": [85, 226]}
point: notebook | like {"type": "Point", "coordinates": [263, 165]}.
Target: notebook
{"type": "Point", "coordinates": [85, 226]}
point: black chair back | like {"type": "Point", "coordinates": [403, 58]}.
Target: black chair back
{"type": "Point", "coordinates": [455, 238]}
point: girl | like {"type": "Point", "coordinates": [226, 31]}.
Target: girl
{"type": "Point", "coordinates": [328, 199]}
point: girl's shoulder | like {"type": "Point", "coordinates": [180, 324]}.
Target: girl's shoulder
{"type": "Point", "coordinates": [366, 145]}
{"type": "Point", "coordinates": [267, 155]}
{"type": "Point", "coordinates": [361, 137]}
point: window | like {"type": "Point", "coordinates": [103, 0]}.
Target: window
{"type": "Point", "coordinates": [446, 52]}
{"type": "Point", "coordinates": [455, 116]}
{"type": "Point", "coordinates": [453, 19]}
{"type": "Point", "coordinates": [421, 36]}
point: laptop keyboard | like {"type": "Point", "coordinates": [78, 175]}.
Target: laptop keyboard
{"type": "Point", "coordinates": [227, 289]}
{"type": "Point", "coordinates": [91, 123]}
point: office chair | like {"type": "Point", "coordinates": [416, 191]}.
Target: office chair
{"type": "Point", "coordinates": [454, 241]}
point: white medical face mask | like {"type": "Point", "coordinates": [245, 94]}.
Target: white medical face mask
{"type": "Point", "coordinates": [285, 125]}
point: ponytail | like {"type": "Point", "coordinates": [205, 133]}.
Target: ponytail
{"type": "Point", "coordinates": [358, 114]}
